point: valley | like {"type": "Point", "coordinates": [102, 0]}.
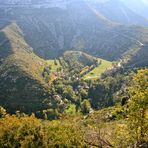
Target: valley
{"type": "Point", "coordinates": [72, 45]}
{"type": "Point", "coordinates": [22, 69]}
{"type": "Point", "coordinates": [73, 73]}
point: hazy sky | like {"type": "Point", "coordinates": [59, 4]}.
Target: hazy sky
{"type": "Point", "coordinates": [145, 1]}
{"type": "Point", "coordinates": [131, 1]}
{"type": "Point", "coordinates": [136, 1]}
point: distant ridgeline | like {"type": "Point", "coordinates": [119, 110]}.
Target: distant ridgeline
{"type": "Point", "coordinates": [79, 25]}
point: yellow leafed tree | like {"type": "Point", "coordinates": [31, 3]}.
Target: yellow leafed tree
{"type": "Point", "coordinates": [138, 108]}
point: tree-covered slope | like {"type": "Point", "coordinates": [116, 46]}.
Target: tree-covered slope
{"type": "Point", "coordinates": [109, 127]}
{"type": "Point", "coordinates": [22, 86]}
{"type": "Point", "coordinates": [78, 59]}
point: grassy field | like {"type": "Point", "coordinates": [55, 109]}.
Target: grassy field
{"type": "Point", "coordinates": [54, 66]}
{"type": "Point", "coordinates": [95, 73]}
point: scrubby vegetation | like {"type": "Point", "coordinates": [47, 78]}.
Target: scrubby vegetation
{"type": "Point", "coordinates": [72, 76]}
{"type": "Point", "coordinates": [124, 125]}
{"type": "Point", "coordinates": [28, 131]}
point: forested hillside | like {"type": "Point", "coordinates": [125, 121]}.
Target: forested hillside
{"type": "Point", "coordinates": [73, 74]}
{"type": "Point", "coordinates": [110, 127]}
{"type": "Point", "coordinates": [20, 72]}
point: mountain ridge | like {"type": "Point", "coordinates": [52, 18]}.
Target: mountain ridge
{"type": "Point", "coordinates": [20, 73]}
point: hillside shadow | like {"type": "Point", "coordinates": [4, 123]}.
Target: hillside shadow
{"type": "Point", "coordinates": [5, 46]}
{"type": "Point", "coordinates": [141, 58]}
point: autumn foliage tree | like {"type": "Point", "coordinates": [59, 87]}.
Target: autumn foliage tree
{"type": "Point", "coordinates": [29, 132]}
{"type": "Point", "coordinates": [138, 108]}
